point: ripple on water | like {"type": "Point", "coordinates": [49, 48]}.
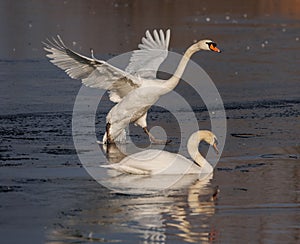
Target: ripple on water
{"type": "Point", "coordinates": [279, 156]}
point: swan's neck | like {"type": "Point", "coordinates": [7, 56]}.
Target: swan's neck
{"type": "Point", "coordinates": [192, 147]}
{"type": "Point", "coordinates": [173, 81]}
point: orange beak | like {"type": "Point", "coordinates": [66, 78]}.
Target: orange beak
{"type": "Point", "coordinates": [214, 48]}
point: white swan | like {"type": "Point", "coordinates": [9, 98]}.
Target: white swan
{"type": "Point", "coordinates": [134, 90]}
{"type": "Point", "coordinates": [156, 162]}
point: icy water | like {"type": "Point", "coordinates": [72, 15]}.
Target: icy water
{"type": "Point", "coordinates": [253, 196]}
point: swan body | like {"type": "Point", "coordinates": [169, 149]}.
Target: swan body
{"type": "Point", "coordinates": [156, 162]}
{"type": "Point", "coordinates": [134, 90]}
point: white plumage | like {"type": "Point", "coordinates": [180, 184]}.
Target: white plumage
{"type": "Point", "coordinates": [157, 162]}
{"type": "Point", "coordinates": [134, 90]}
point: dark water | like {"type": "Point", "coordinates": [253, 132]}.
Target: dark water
{"type": "Point", "coordinates": [46, 196]}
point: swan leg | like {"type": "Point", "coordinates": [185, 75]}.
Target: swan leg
{"type": "Point", "coordinates": [153, 139]}
{"type": "Point", "coordinates": [142, 122]}
{"type": "Point", "coordinates": [109, 140]}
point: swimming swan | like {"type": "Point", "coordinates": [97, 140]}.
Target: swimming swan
{"type": "Point", "coordinates": [155, 162]}
{"type": "Point", "coordinates": [134, 90]}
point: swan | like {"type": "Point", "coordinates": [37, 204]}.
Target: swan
{"type": "Point", "coordinates": [157, 162]}
{"type": "Point", "coordinates": [134, 90]}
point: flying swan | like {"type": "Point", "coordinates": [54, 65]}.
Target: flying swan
{"type": "Point", "coordinates": [134, 90]}
{"type": "Point", "coordinates": [157, 162]}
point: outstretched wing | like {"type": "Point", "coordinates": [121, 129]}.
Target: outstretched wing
{"type": "Point", "coordinates": [93, 72]}
{"type": "Point", "coordinates": [152, 52]}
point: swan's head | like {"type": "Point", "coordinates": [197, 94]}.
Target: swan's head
{"type": "Point", "coordinates": [209, 138]}
{"type": "Point", "coordinates": [208, 45]}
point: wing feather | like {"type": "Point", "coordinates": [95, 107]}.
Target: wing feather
{"type": "Point", "coordinates": [93, 72]}
{"type": "Point", "coordinates": [153, 50]}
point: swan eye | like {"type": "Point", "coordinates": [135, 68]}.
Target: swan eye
{"type": "Point", "coordinates": [211, 44]}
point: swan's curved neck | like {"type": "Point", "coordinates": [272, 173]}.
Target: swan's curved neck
{"type": "Point", "coordinates": [192, 147]}
{"type": "Point", "coordinates": [173, 81]}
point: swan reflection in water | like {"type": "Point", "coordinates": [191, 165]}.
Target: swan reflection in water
{"type": "Point", "coordinates": [180, 215]}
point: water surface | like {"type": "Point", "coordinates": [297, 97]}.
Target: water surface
{"type": "Point", "coordinates": [46, 196]}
